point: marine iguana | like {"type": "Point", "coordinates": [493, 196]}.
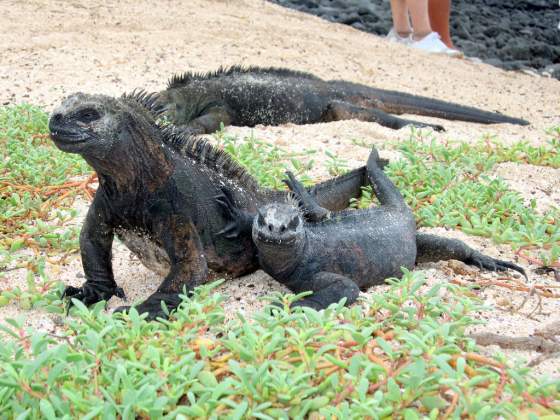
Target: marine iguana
{"type": "Point", "coordinates": [334, 255]}
{"type": "Point", "coordinates": [272, 96]}
{"type": "Point", "coordinates": [156, 193]}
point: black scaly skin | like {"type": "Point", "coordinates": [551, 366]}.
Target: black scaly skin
{"type": "Point", "coordinates": [157, 193]}
{"type": "Point", "coordinates": [239, 96]}
{"type": "Point", "coordinates": [334, 255]}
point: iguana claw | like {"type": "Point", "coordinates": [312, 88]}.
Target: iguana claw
{"type": "Point", "coordinates": [238, 220]}
{"type": "Point", "coordinates": [91, 292]}
{"type": "Point", "coordinates": [493, 264]}
{"type": "Point", "coordinates": [153, 305]}
{"type": "Point", "coordinates": [232, 229]}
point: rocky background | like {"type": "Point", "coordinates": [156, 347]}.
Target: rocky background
{"type": "Point", "coordinates": [514, 34]}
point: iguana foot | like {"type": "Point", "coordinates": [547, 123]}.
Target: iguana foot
{"type": "Point", "coordinates": [435, 127]}
{"type": "Point", "coordinates": [493, 264]}
{"type": "Point", "coordinates": [313, 211]}
{"type": "Point", "coordinates": [294, 185]}
{"type": "Point", "coordinates": [91, 292]}
{"type": "Point", "coordinates": [308, 302]}
{"type": "Point", "coordinates": [327, 288]}
{"type": "Point", "coordinates": [153, 305]}
{"type": "Point", "coordinates": [239, 221]}
{"type": "Point", "coordinates": [546, 269]}
{"type": "Point", "coordinates": [374, 159]}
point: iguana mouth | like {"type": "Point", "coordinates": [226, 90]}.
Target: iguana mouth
{"type": "Point", "coordinates": [276, 240]}
{"type": "Point", "coordinates": [68, 136]}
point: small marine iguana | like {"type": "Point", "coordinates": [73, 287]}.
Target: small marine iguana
{"type": "Point", "coordinates": [239, 96]}
{"type": "Point", "coordinates": [156, 193]}
{"type": "Point", "coordinates": [307, 248]}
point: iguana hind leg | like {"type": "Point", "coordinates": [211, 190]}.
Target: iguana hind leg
{"type": "Point", "coordinates": [327, 288]}
{"type": "Point", "coordinates": [312, 210]}
{"type": "Point", "coordinates": [335, 194]}
{"type": "Point", "coordinates": [385, 190]}
{"type": "Point", "coordinates": [435, 248]}
{"type": "Point", "coordinates": [340, 110]}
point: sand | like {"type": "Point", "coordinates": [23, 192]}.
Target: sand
{"type": "Point", "coordinates": [49, 49]}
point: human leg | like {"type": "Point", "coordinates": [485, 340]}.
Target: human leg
{"type": "Point", "coordinates": [401, 22]}
{"type": "Point", "coordinates": [439, 12]}
{"type": "Point", "coordinates": [418, 10]}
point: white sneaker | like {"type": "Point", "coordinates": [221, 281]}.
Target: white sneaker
{"type": "Point", "coordinates": [432, 43]}
{"type": "Point", "coordinates": [394, 36]}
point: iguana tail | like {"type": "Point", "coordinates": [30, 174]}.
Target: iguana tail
{"type": "Point", "coordinates": [394, 102]}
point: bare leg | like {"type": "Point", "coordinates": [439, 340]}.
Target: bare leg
{"type": "Point", "coordinates": [439, 12]}
{"type": "Point", "coordinates": [401, 22]}
{"type": "Point", "coordinates": [418, 10]}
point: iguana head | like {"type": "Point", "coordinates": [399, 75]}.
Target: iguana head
{"type": "Point", "coordinates": [278, 224]}
{"type": "Point", "coordinates": [181, 105]}
{"type": "Point", "coordinates": [117, 136]}
{"type": "Point", "coordinates": [172, 101]}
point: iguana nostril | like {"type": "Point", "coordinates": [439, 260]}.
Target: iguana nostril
{"type": "Point", "coordinates": [270, 227]}
{"type": "Point", "coordinates": [282, 228]}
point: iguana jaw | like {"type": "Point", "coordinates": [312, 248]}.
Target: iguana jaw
{"type": "Point", "coordinates": [68, 140]}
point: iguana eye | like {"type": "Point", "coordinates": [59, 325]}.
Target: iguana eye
{"type": "Point", "coordinates": [88, 115]}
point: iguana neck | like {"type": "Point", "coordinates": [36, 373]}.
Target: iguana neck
{"type": "Point", "coordinates": [134, 170]}
{"type": "Point", "coordinates": [281, 260]}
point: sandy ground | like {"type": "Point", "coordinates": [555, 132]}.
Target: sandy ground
{"type": "Point", "coordinates": [49, 49]}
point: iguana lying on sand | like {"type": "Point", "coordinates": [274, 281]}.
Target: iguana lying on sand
{"type": "Point", "coordinates": [337, 254]}
{"type": "Point", "coordinates": [156, 192]}
{"type": "Point", "coordinates": [272, 96]}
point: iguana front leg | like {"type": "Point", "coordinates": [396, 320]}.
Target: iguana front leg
{"type": "Point", "coordinates": [327, 288]}
{"type": "Point", "coordinates": [207, 123]}
{"type": "Point", "coordinates": [340, 110]}
{"type": "Point", "coordinates": [436, 248]}
{"type": "Point", "coordinates": [96, 239]}
{"type": "Point", "coordinates": [188, 267]}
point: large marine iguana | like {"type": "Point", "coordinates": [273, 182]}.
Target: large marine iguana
{"type": "Point", "coordinates": [272, 96]}
{"type": "Point", "coordinates": [334, 255]}
{"type": "Point", "coordinates": [156, 193]}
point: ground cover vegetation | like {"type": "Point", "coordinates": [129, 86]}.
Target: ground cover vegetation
{"type": "Point", "coordinates": [403, 354]}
